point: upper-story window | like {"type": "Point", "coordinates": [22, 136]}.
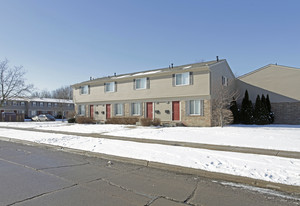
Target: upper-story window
{"type": "Point", "coordinates": [22, 103]}
{"type": "Point", "coordinates": [49, 104]}
{"type": "Point", "coordinates": [84, 89]}
{"type": "Point", "coordinates": [110, 87]}
{"type": "Point", "coordinates": [141, 83]}
{"type": "Point", "coordinates": [55, 104]}
{"type": "Point", "coordinates": [182, 79]}
{"type": "Point", "coordinates": [224, 81]}
{"type": "Point", "coordinates": [33, 104]}
{"type": "Point", "coordinates": [41, 104]}
{"type": "Point", "coordinates": [15, 103]}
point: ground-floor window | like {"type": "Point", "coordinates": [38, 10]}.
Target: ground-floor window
{"type": "Point", "coordinates": [136, 109]}
{"type": "Point", "coordinates": [33, 113]}
{"type": "Point", "coordinates": [81, 109]}
{"type": "Point", "coordinates": [195, 107]}
{"type": "Point", "coordinates": [119, 109]}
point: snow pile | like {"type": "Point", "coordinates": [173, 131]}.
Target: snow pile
{"type": "Point", "coordinates": [277, 137]}
{"type": "Point", "coordinates": [269, 168]}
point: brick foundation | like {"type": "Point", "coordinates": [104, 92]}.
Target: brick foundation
{"type": "Point", "coordinates": [286, 112]}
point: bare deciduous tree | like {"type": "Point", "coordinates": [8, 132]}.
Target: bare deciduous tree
{"type": "Point", "coordinates": [64, 92]}
{"type": "Point", "coordinates": [12, 82]}
{"type": "Point", "coordinates": [222, 114]}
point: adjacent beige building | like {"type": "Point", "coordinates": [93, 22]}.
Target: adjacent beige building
{"type": "Point", "coordinates": [282, 84]}
{"type": "Point", "coordinates": [180, 94]}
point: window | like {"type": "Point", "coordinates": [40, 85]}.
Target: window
{"type": "Point", "coordinates": [33, 113]}
{"type": "Point", "coordinates": [81, 109]}
{"type": "Point", "coordinates": [224, 81]}
{"type": "Point", "coordinates": [195, 107]}
{"type": "Point", "coordinates": [41, 104]}
{"type": "Point", "coordinates": [34, 104]}
{"type": "Point", "coordinates": [55, 104]}
{"type": "Point", "coordinates": [182, 79]}
{"type": "Point", "coordinates": [119, 109]}
{"type": "Point", "coordinates": [141, 83]}
{"type": "Point", "coordinates": [22, 103]}
{"type": "Point", "coordinates": [136, 109]}
{"type": "Point", "coordinates": [15, 103]}
{"type": "Point", "coordinates": [84, 89]}
{"type": "Point", "coordinates": [49, 104]}
{"type": "Point", "coordinates": [110, 87]}
{"type": "Point", "coordinates": [4, 103]}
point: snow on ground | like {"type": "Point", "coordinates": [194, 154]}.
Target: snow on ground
{"type": "Point", "coordinates": [277, 137]}
{"type": "Point", "coordinates": [269, 168]}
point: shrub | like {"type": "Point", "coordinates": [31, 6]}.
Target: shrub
{"type": "Point", "coordinates": [146, 121]}
{"type": "Point", "coordinates": [72, 120]}
{"type": "Point", "coordinates": [156, 122]}
{"type": "Point", "coordinates": [122, 120]}
{"type": "Point", "coordinates": [84, 120]}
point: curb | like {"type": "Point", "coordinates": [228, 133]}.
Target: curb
{"type": "Point", "coordinates": [168, 167]}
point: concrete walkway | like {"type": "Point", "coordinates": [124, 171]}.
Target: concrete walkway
{"type": "Point", "coordinates": [249, 150]}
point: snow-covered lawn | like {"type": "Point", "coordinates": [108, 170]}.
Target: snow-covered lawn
{"type": "Point", "coordinates": [269, 168]}
{"type": "Point", "coordinates": [277, 137]}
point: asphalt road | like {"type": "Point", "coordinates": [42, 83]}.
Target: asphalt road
{"type": "Point", "coordinates": [31, 175]}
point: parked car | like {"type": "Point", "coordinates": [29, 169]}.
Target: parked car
{"type": "Point", "coordinates": [43, 117]}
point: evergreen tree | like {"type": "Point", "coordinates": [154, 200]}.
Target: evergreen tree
{"type": "Point", "coordinates": [263, 114]}
{"type": "Point", "coordinates": [271, 114]}
{"type": "Point", "coordinates": [235, 112]}
{"type": "Point", "coordinates": [246, 110]}
{"type": "Point", "coordinates": [257, 110]}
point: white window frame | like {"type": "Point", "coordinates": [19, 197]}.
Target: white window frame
{"type": "Point", "coordinates": [141, 83]}
{"type": "Point", "coordinates": [119, 109]}
{"type": "Point", "coordinates": [33, 113]}
{"type": "Point", "coordinates": [110, 87]}
{"type": "Point", "coordinates": [182, 76]}
{"type": "Point", "coordinates": [196, 107]}
{"type": "Point", "coordinates": [81, 110]}
{"type": "Point", "coordinates": [84, 89]}
{"type": "Point", "coordinates": [224, 81]}
{"type": "Point", "coordinates": [136, 108]}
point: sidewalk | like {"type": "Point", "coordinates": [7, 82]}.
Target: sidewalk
{"type": "Point", "coordinates": [249, 150]}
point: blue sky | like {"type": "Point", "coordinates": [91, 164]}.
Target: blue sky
{"type": "Point", "coordinates": [63, 42]}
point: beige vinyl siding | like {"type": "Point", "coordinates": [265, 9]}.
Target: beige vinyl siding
{"type": "Point", "coordinates": [280, 82]}
{"type": "Point", "coordinates": [161, 87]}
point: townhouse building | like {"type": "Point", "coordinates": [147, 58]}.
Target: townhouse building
{"type": "Point", "coordinates": [176, 94]}
{"type": "Point", "coordinates": [34, 106]}
{"type": "Point", "coordinates": [282, 84]}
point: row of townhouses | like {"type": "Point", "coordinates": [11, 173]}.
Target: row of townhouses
{"type": "Point", "coordinates": [185, 94]}
{"type": "Point", "coordinates": [34, 106]}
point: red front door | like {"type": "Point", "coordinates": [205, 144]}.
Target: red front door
{"type": "Point", "coordinates": [92, 111]}
{"type": "Point", "coordinates": [149, 110]}
{"type": "Point", "coordinates": [108, 111]}
{"type": "Point", "coordinates": [175, 111]}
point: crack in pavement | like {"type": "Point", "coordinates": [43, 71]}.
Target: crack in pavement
{"type": "Point", "coordinates": [62, 166]}
{"type": "Point", "coordinates": [192, 194]}
{"type": "Point", "coordinates": [39, 195]}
